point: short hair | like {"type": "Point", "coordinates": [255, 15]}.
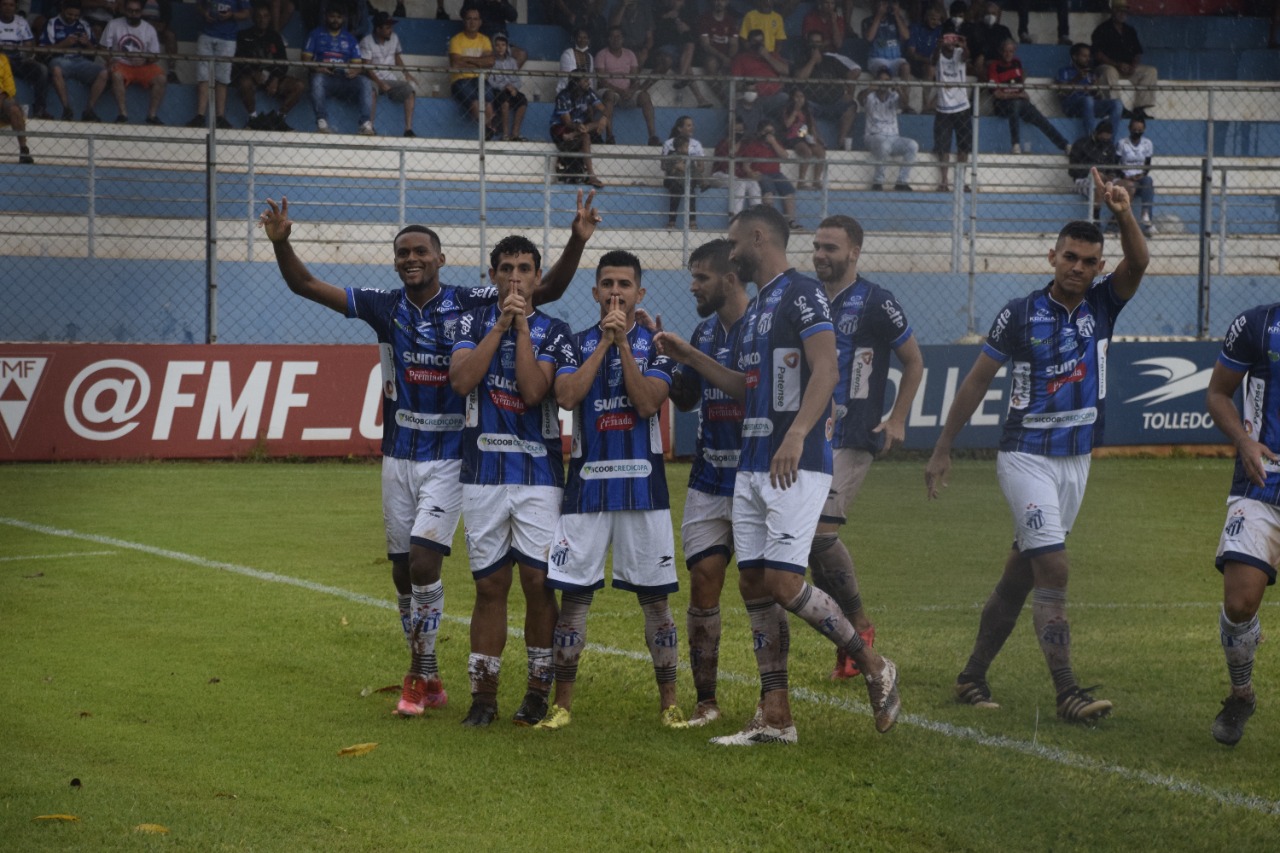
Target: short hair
{"type": "Point", "coordinates": [1104, 126]}
{"type": "Point", "coordinates": [1080, 46]}
{"type": "Point", "coordinates": [1085, 232]}
{"type": "Point", "coordinates": [715, 254]}
{"type": "Point", "coordinates": [619, 258]}
{"type": "Point", "coordinates": [768, 216]}
{"type": "Point", "coordinates": [755, 32]}
{"type": "Point", "coordinates": [418, 229]}
{"type": "Point", "coordinates": [958, 8]}
{"type": "Point", "coordinates": [71, 4]}
{"type": "Point", "coordinates": [514, 244]}
{"type": "Point", "coordinates": [335, 6]}
{"type": "Point", "coordinates": [848, 224]}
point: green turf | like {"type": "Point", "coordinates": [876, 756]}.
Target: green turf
{"type": "Point", "coordinates": [214, 702]}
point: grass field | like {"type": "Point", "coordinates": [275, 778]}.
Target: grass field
{"type": "Point", "coordinates": [195, 643]}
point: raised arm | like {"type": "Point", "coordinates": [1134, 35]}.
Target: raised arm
{"type": "Point", "coordinates": [557, 279]}
{"type": "Point", "coordinates": [1128, 273]}
{"type": "Point", "coordinates": [277, 225]}
{"type": "Point", "coordinates": [968, 397]}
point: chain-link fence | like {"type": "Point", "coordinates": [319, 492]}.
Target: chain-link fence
{"type": "Point", "coordinates": [146, 234]}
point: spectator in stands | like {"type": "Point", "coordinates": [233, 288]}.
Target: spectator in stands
{"type": "Point", "coordinates": [800, 134]}
{"type": "Point", "coordinates": [99, 13]}
{"type": "Point", "coordinates": [11, 112]}
{"type": "Point", "coordinates": [39, 13]}
{"type": "Point", "coordinates": [1013, 102]}
{"type": "Point", "coordinates": [988, 35]}
{"type": "Point", "coordinates": [1063, 8]}
{"type": "Point", "coordinates": [68, 30]}
{"type": "Point", "coordinates": [583, 14]}
{"type": "Point", "coordinates": [682, 160]}
{"type": "Point", "coordinates": [824, 18]}
{"type": "Point", "coordinates": [16, 36]}
{"type": "Point", "coordinates": [829, 86]}
{"type": "Point", "coordinates": [887, 30]}
{"type": "Point", "coordinates": [496, 16]}
{"type": "Point", "coordinates": [764, 154]}
{"type": "Point", "coordinates": [756, 63]}
{"type": "Point", "coordinates": [920, 48]}
{"type": "Point", "coordinates": [577, 57]}
{"type": "Point", "coordinates": [314, 14]}
{"type": "Point", "coordinates": [135, 44]}
{"type": "Point", "coordinates": [1118, 52]}
{"type": "Point", "coordinates": [468, 50]}
{"type": "Point", "coordinates": [717, 33]}
{"type": "Point", "coordinates": [953, 114]}
{"type": "Point", "coordinates": [634, 18]}
{"type": "Point", "coordinates": [744, 188]}
{"type": "Point", "coordinates": [748, 109]}
{"type": "Point", "coordinates": [882, 104]}
{"type": "Point", "coordinates": [1079, 92]}
{"type": "Point", "coordinates": [618, 65]}
{"type": "Point", "coordinates": [1134, 152]}
{"type": "Point", "coordinates": [1096, 149]}
{"type": "Point", "coordinates": [769, 22]}
{"type": "Point", "coordinates": [220, 19]}
{"type": "Point", "coordinates": [342, 74]}
{"type": "Point", "coordinates": [262, 42]}
{"type": "Point", "coordinates": [509, 103]}
{"type": "Point", "coordinates": [674, 41]}
{"type": "Point", "coordinates": [578, 120]}
{"type": "Point", "coordinates": [957, 17]}
{"type": "Point", "coordinates": [159, 14]}
{"type": "Point", "coordinates": [382, 47]}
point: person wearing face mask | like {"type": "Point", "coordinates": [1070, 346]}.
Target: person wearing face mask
{"type": "Point", "coordinates": [1135, 152]}
{"type": "Point", "coordinates": [1094, 150]}
{"type": "Point", "coordinates": [756, 63]}
{"type": "Point", "coordinates": [744, 187]}
{"type": "Point", "coordinates": [988, 35]}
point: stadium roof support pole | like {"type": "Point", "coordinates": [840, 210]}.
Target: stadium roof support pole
{"type": "Point", "coordinates": [211, 225]}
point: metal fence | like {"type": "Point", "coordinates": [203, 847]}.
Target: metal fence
{"type": "Point", "coordinates": [142, 234]}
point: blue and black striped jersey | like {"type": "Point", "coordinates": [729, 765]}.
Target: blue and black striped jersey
{"type": "Point", "coordinates": [1252, 346]}
{"type": "Point", "coordinates": [715, 460]}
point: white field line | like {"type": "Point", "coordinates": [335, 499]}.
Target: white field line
{"type": "Point", "coordinates": [1058, 756]}
{"type": "Point", "coordinates": [70, 555]}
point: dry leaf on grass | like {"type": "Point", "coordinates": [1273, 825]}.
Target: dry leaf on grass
{"type": "Point", "coordinates": [67, 817]}
{"type": "Point", "coordinates": [358, 749]}
{"type": "Point", "coordinates": [151, 829]}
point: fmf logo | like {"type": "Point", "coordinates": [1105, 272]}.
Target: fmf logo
{"type": "Point", "coordinates": [18, 380]}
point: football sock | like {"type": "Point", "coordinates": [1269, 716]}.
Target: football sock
{"type": "Point", "coordinates": [703, 626]}
{"type": "Point", "coordinates": [771, 647]}
{"type": "Point", "coordinates": [833, 573]}
{"type": "Point", "coordinates": [1049, 614]}
{"type": "Point", "coordinates": [820, 610]}
{"type": "Point", "coordinates": [571, 633]}
{"type": "Point", "coordinates": [404, 603]}
{"type": "Point", "coordinates": [999, 615]}
{"type": "Point", "coordinates": [428, 606]}
{"type": "Point", "coordinates": [1239, 643]}
{"type": "Point", "coordinates": [661, 636]}
{"type": "Point", "coordinates": [483, 671]}
{"type": "Point", "coordinates": [542, 670]}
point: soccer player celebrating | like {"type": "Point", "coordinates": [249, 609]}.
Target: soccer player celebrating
{"type": "Point", "coordinates": [786, 374]}
{"type": "Point", "coordinates": [869, 324]}
{"type": "Point", "coordinates": [422, 417]}
{"type": "Point", "coordinates": [504, 363]}
{"type": "Point", "coordinates": [616, 494]}
{"type": "Point", "coordinates": [707, 529]}
{"type": "Point", "coordinates": [1057, 339]}
{"type": "Point", "coordinates": [1249, 550]}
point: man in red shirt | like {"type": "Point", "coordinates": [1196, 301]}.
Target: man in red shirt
{"type": "Point", "coordinates": [753, 61]}
{"type": "Point", "coordinates": [717, 36]}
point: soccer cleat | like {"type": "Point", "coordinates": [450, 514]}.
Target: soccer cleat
{"type": "Point", "coordinates": [882, 690]}
{"type": "Point", "coordinates": [413, 696]}
{"type": "Point", "coordinates": [758, 736]}
{"type": "Point", "coordinates": [973, 691]}
{"type": "Point", "coordinates": [706, 712]}
{"type": "Point", "coordinates": [532, 710]}
{"type": "Point", "coordinates": [436, 697]}
{"type": "Point", "coordinates": [556, 718]}
{"type": "Point", "coordinates": [1076, 705]}
{"type": "Point", "coordinates": [1228, 727]}
{"type": "Point", "coordinates": [322, 126]}
{"type": "Point", "coordinates": [672, 718]}
{"type": "Point", "coordinates": [481, 714]}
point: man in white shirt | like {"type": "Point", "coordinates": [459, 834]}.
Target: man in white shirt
{"type": "Point", "coordinates": [1135, 152]}
{"type": "Point", "coordinates": [882, 103]}
{"type": "Point", "coordinates": [134, 43]}
{"type": "Point", "coordinates": [382, 47]}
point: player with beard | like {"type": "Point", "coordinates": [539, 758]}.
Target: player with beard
{"type": "Point", "coordinates": [422, 416]}
{"type": "Point", "coordinates": [869, 324]}
{"type": "Point", "coordinates": [785, 375]}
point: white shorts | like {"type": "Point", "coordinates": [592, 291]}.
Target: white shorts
{"type": "Point", "coordinates": [421, 502]}
{"type": "Point", "coordinates": [893, 65]}
{"type": "Point", "coordinates": [850, 466]}
{"type": "Point", "coordinates": [643, 544]}
{"type": "Point", "coordinates": [1251, 536]}
{"type": "Point", "coordinates": [210, 46]}
{"type": "Point", "coordinates": [707, 527]}
{"type": "Point", "coordinates": [506, 523]}
{"type": "Point", "coordinates": [1044, 494]}
{"type": "Point", "coordinates": [773, 528]}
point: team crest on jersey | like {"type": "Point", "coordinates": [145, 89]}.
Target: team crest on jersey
{"type": "Point", "coordinates": [508, 356]}
{"type": "Point", "coordinates": [1085, 325]}
{"type": "Point", "coordinates": [849, 324]}
{"type": "Point", "coordinates": [450, 328]}
{"type": "Point", "coordinates": [560, 554]}
{"type": "Point", "coordinates": [764, 324]}
{"type": "Point", "coordinates": [1033, 518]}
{"type": "Point", "coordinates": [615, 374]}
{"type": "Point", "coordinates": [1235, 524]}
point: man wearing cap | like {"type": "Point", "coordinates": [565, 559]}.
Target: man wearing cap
{"type": "Point", "coordinates": [1118, 53]}
{"type": "Point", "coordinates": [382, 47]}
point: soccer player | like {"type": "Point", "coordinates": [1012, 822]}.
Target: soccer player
{"type": "Point", "coordinates": [785, 374]}
{"type": "Point", "coordinates": [1057, 339]}
{"type": "Point", "coordinates": [616, 493]}
{"type": "Point", "coordinates": [504, 362]}
{"type": "Point", "coordinates": [1249, 550]}
{"type": "Point", "coordinates": [870, 323]}
{"type": "Point", "coordinates": [421, 415]}
{"type": "Point", "coordinates": [707, 529]}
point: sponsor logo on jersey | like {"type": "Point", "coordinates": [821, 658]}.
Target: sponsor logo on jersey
{"type": "Point", "coordinates": [427, 358]}
{"type": "Point", "coordinates": [721, 458]}
{"type": "Point", "coordinates": [1235, 331]}
{"type": "Point", "coordinates": [860, 371]}
{"type": "Point", "coordinates": [1001, 323]}
{"type": "Point", "coordinates": [896, 317]}
{"type": "Point", "coordinates": [502, 443]}
{"type": "Point", "coordinates": [617, 401]}
{"type": "Point", "coordinates": [616, 422]}
{"type": "Point", "coordinates": [507, 401]}
{"type": "Point", "coordinates": [426, 376]}
{"type": "Point", "coordinates": [806, 310]}
{"type": "Point", "coordinates": [620, 468]}
{"type": "Point", "coordinates": [726, 411]}
{"type": "Point", "coordinates": [1077, 374]}
{"type": "Point", "coordinates": [428, 423]}
{"type": "Point", "coordinates": [757, 428]}
{"type": "Point", "coordinates": [786, 391]}
{"type": "Point", "coordinates": [752, 379]}
{"type": "Point", "coordinates": [1053, 420]}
